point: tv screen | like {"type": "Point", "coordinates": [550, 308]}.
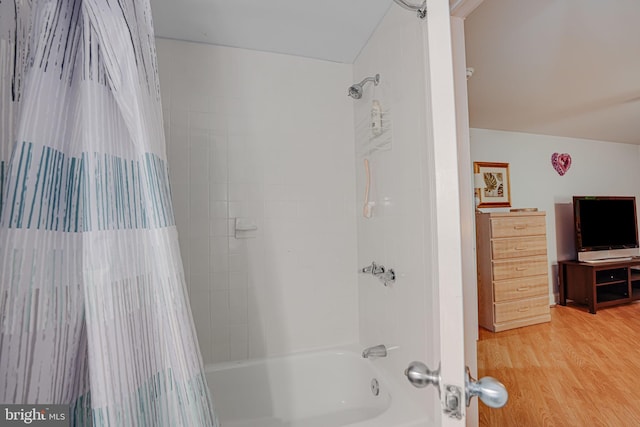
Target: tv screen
{"type": "Point", "coordinates": [604, 223]}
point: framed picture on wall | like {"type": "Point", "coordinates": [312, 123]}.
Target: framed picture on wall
{"type": "Point", "coordinates": [492, 184]}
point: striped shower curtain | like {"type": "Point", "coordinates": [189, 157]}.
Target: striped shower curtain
{"type": "Point", "coordinates": [93, 311]}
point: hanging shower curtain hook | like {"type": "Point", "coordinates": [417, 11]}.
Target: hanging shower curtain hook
{"type": "Point", "coordinates": [421, 10]}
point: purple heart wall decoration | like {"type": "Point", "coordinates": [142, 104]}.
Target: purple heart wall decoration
{"type": "Point", "coordinates": [561, 162]}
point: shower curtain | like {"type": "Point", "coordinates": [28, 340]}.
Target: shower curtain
{"type": "Point", "coordinates": [93, 311]}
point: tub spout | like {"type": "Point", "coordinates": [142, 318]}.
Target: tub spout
{"type": "Point", "coordinates": [375, 351]}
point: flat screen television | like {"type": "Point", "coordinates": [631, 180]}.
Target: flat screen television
{"type": "Point", "coordinates": [606, 227]}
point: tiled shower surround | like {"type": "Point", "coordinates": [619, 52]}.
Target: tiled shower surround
{"type": "Point", "coordinates": [268, 138]}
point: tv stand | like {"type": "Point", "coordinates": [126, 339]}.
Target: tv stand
{"type": "Point", "coordinates": [599, 285]}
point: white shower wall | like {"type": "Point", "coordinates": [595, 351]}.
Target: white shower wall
{"type": "Point", "coordinates": [266, 137]}
{"type": "Point", "coordinates": [398, 234]}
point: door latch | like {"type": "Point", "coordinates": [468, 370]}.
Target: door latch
{"type": "Point", "coordinates": [452, 404]}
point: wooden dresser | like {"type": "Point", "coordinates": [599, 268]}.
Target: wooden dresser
{"type": "Point", "coordinates": [513, 272]}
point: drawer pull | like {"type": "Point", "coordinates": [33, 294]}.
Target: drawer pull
{"type": "Point", "coordinates": [522, 268]}
{"type": "Point", "coordinates": [520, 248]}
{"type": "Point", "coordinates": [523, 289]}
{"type": "Point", "coordinates": [523, 309]}
{"type": "Point", "coordinates": [519, 227]}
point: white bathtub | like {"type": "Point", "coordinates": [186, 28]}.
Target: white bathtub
{"type": "Point", "coordinates": [321, 389]}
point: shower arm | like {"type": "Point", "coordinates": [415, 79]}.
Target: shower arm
{"type": "Point", "coordinates": [422, 9]}
{"type": "Point", "coordinates": [375, 79]}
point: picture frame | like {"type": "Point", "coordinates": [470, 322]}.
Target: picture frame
{"type": "Point", "coordinates": [492, 184]}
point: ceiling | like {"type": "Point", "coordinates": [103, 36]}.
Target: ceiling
{"type": "Point", "coordinates": [334, 30]}
{"type": "Point", "coordinates": [556, 67]}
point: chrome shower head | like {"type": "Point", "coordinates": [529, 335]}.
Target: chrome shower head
{"type": "Point", "coordinates": [355, 90]}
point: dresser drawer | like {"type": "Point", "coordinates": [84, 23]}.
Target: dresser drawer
{"type": "Point", "coordinates": [519, 267]}
{"type": "Point", "coordinates": [527, 287]}
{"type": "Point", "coordinates": [519, 247]}
{"type": "Point", "coordinates": [515, 310]}
{"type": "Point", "coordinates": [518, 226]}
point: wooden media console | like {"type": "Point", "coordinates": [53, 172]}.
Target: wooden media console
{"type": "Point", "coordinates": [599, 285]}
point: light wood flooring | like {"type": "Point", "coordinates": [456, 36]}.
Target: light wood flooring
{"type": "Point", "coordinates": [579, 370]}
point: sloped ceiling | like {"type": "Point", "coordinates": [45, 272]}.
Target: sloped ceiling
{"type": "Point", "coordinates": [556, 67]}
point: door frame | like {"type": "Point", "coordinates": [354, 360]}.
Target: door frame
{"type": "Point", "coordinates": [453, 208]}
{"type": "Point", "coordinates": [460, 10]}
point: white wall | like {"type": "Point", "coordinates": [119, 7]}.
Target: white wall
{"type": "Point", "coordinates": [268, 137]}
{"type": "Point", "coordinates": [598, 168]}
{"type": "Point", "coordinates": [398, 234]}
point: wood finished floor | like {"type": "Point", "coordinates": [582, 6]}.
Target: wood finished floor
{"type": "Point", "coordinates": [579, 370]}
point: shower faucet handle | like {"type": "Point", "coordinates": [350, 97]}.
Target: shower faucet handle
{"type": "Point", "coordinates": [388, 277]}
{"type": "Point", "coordinates": [374, 269]}
{"type": "Point", "coordinates": [368, 269]}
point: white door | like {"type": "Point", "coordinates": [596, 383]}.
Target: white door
{"type": "Point", "coordinates": [452, 177]}
{"type": "Point", "coordinates": [415, 223]}
{"type": "Point", "coordinates": [444, 176]}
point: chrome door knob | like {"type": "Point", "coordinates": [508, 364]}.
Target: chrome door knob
{"type": "Point", "coordinates": [421, 376]}
{"type": "Point", "coordinates": [488, 389]}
